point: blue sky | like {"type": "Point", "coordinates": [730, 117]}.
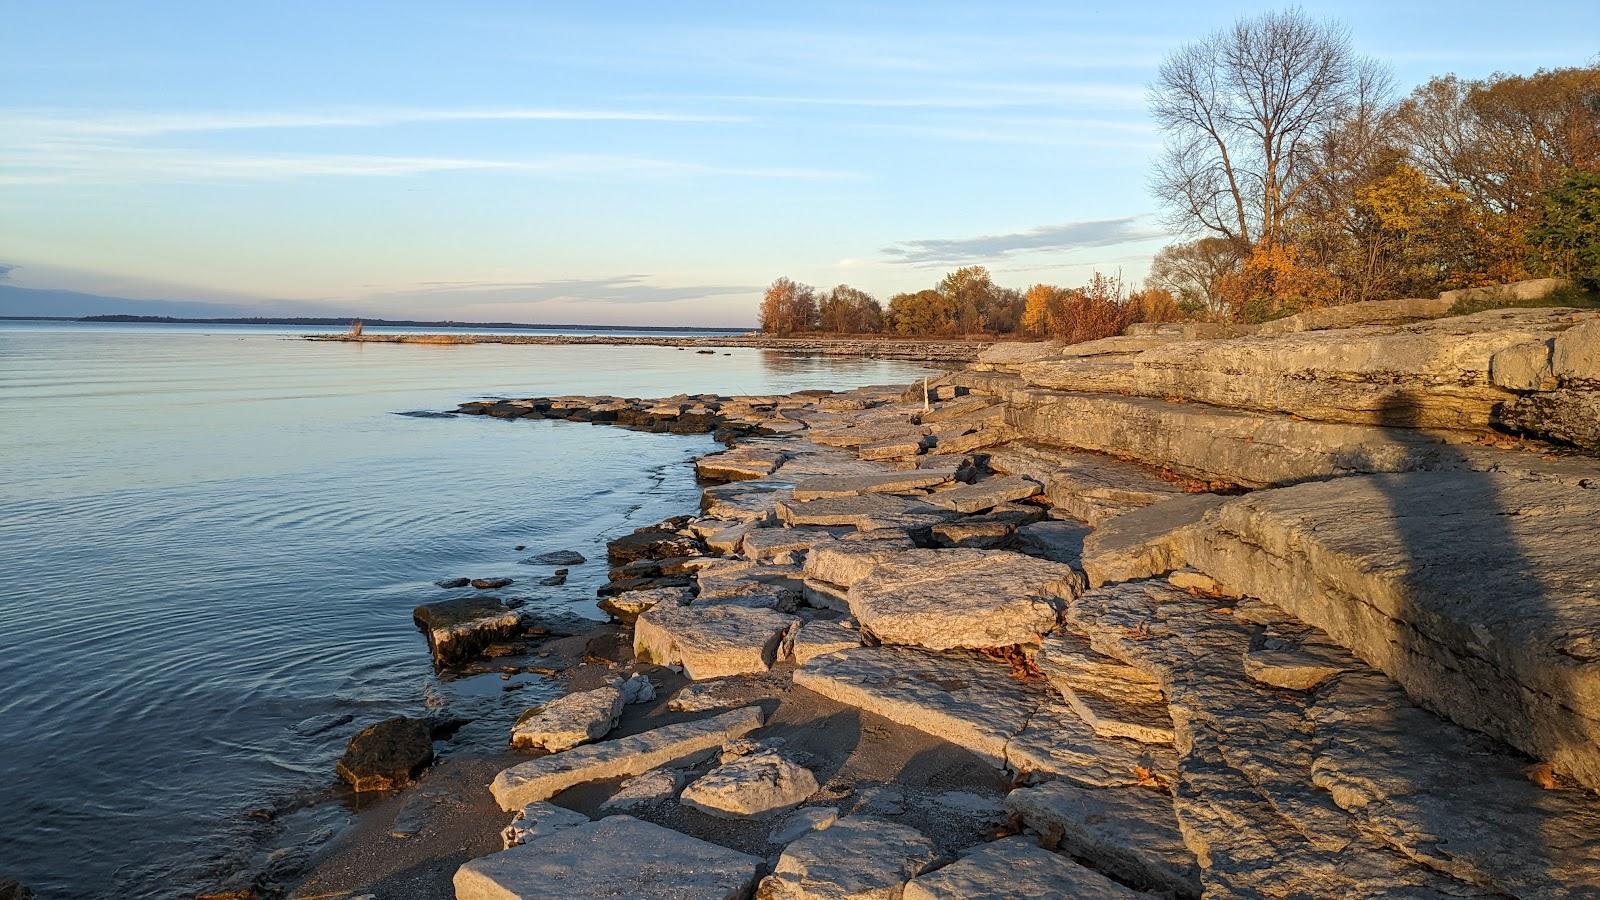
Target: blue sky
{"type": "Point", "coordinates": [617, 162]}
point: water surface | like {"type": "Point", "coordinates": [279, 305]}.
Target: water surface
{"type": "Point", "coordinates": [211, 538]}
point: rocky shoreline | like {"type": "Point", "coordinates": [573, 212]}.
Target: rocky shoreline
{"type": "Point", "coordinates": [916, 350]}
{"type": "Point", "coordinates": [1308, 613]}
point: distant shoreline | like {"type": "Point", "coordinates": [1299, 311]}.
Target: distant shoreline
{"type": "Point", "coordinates": [344, 322]}
{"type": "Point", "coordinates": [954, 350]}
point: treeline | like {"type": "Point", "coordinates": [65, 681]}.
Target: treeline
{"type": "Point", "coordinates": [1302, 180]}
{"type": "Point", "coordinates": [967, 302]}
{"type": "Point", "coordinates": [1298, 178]}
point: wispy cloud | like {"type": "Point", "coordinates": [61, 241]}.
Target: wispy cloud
{"type": "Point", "coordinates": [620, 289]}
{"type": "Point", "coordinates": [98, 162]}
{"type": "Point", "coordinates": [1052, 238]}
{"type": "Point", "coordinates": [6, 270]}
{"type": "Point", "coordinates": [66, 123]}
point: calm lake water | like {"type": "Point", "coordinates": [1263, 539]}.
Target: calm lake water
{"type": "Point", "coordinates": [211, 539]}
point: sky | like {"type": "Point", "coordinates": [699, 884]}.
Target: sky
{"type": "Point", "coordinates": [615, 163]}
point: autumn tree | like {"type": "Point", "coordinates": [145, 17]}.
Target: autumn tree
{"type": "Point", "coordinates": [927, 312]}
{"type": "Point", "coordinates": [1245, 113]}
{"type": "Point", "coordinates": [789, 306]}
{"type": "Point", "coordinates": [848, 310]}
{"type": "Point", "coordinates": [1193, 272]}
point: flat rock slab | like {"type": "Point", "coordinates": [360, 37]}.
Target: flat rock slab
{"type": "Point", "coordinates": [618, 856]}
{"type": "Point", "coordinates": [960, 698]}
{"type": "Point", "coordinates": [745, 501]}
{"type": "Point", "coordinates": [628, 606]}
{"type": "Point", "coordinates": [1129, 833]}
{"type": "Point", "coordinates": [739, 464]}
{"type": "Point", "coordinates": [763, 544]}
{"type": "Point", "coordinates": [974, 534]}
{"type": "Point", "coordinates": [568, 721]}
{"type": "Point", "coordinates": [458, 629]}
{"type": "Point", "coordinates": [1057, 743]}
{"type": "Point", "coordinates": [885, 483]}
{"type": "Point", "coordinates": [652, 787]}
{"type": "Point", "coordinates": [986, 494]}
{"type": "Point", "coordinates": [711, 640]}
{"type": "Point", "coordinates": [1015, 868]}
{"type": "Point", "coordinates": [751, 786]}
{"type": "Point", "coordinates": [1476, 591]}
{"type": "Point", "coordinates": [1145, 542]}
{"type": "Point", "coordinates": [846, 562]}
{"type": "Point", "coordinates": [543, 778]}
{"type": "Point", "coordinates": [857, 856]}
{"type": "Point", "coordinates": [944, 599]}
{"type": "Point", "coordinates": [1095, 488]}
{"type": "Point", "coordinates": [864, 513]}
{"type": "Point", "coordinates": [817, 638]}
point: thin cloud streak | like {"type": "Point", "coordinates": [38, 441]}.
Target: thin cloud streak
{"type": "Point", "coordinates": [617, 289]}
{"type": "Point", "coordinates": [71, 124]}
{"type": "Point", "coordinates": [1045, 238]}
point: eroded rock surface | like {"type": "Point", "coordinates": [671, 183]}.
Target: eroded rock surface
{"type": "Point", "coordinates": [943, 599]}
{"type": "Point", "coordinates": [750, 786]}
{"type": "Point", "coordinates": [857, 856]}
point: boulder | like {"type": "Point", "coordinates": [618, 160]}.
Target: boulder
{"type": "Point", "coordinates": [618, 856]}
{"type": "Point", "coordinates": [1015, 868]}
{"type": "Point", "coordinates": [712, 640]}
{"type": "Point", "coordinates": [387, 755]}
{"type": "Point", "coordinates": [943, 599]}
{"type": "Point", "coordinates": [537, 820]}
{"type": "Point", "coordinates": [751, 786]}
{"type": "Point", "coordinates": [546, 776]}
{"type": "Point", "coordinates": [568, 721]}
{"type": "Point", "coordinates": [857, 856]}
{"type": "Point", "coordinates": [1129, 832]}
{"type": "Point", "coordinates": [459, 629]}
{"type": "Point", "coordinates": [652, 543]}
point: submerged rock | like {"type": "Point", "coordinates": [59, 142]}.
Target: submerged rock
{"type": "Point", "coordinates": [557, 558]}
{"type": "Point", "coordinates": [387, 755]}
{"type": "Point", "coordinates": [490, 584]}
{"type": "Point", "coordinates": [449, 583]}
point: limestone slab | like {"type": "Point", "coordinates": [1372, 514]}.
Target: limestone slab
{"type": "Point", "coordinates": [1015, 868]}
{"type": "Point", "coordinates": [943, 599]}
{"type": "Point", "coordinates": [857, 856]}
{"type": "Point", "coordinates": [711, 640]}
{"type": "Point", "coordinates": [1145, 542]}
{"type": "Point", "coordinates": [1130, 832]}
{"type": "Point", "coordinates": [846, 562]}
{"type": "Point", "coordinates": [537, 820]}
{"type": "Point", "coordinates": [543, 778]}
{"type": "Point", "coordinates": [865, 512]}
{"type": "Point", "coordinates": [986, 494]}
{"type": "Point", "coordinates": [883, 483]}
{"type": "Point", "coordinates": [1054, 540]}
{"type": "Point", "coordinates": [821, 637]}
{"type": "Point", "coordinates": [618, 856]}
{"type": "Point", "coordinates": [568, 721]}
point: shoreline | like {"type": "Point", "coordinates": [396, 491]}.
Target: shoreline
{"type": "Point", "coordinates": [1023, 632]}
{"type": "Point", "coordinates": [912, 349]}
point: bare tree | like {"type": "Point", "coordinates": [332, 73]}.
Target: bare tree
{"type": "Point", "coordinates": [788, 306]}
{"type": "Point", "coordinates": [1194, 271]}
{"type": "Point", "coordinates": [1248, 113]}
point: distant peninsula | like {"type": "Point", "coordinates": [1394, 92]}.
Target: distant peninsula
{"type": "Point", "coordinates": [342, 321]}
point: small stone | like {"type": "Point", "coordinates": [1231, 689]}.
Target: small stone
{"type": "Point", "coordinates": [750, 786]}
{"type": "Point", "coordinates": [802, 822]}
{"type": "Point", "coordinates": [458, 629]}
{"type": "Point", "coordinates": [651, 787]}
{"type": "Point", "coordinates": [537, 820]}
{"type": "Point", "coordinates": [387, 755]}
{"type": "Point", "coordinates": [450, 583]}
{"type": "Point", "coordinates": [490, 584]}
{"type": "Point", "coordinates": [638, 689]}
{"type": "Point", "coordinates": [569, 721]}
